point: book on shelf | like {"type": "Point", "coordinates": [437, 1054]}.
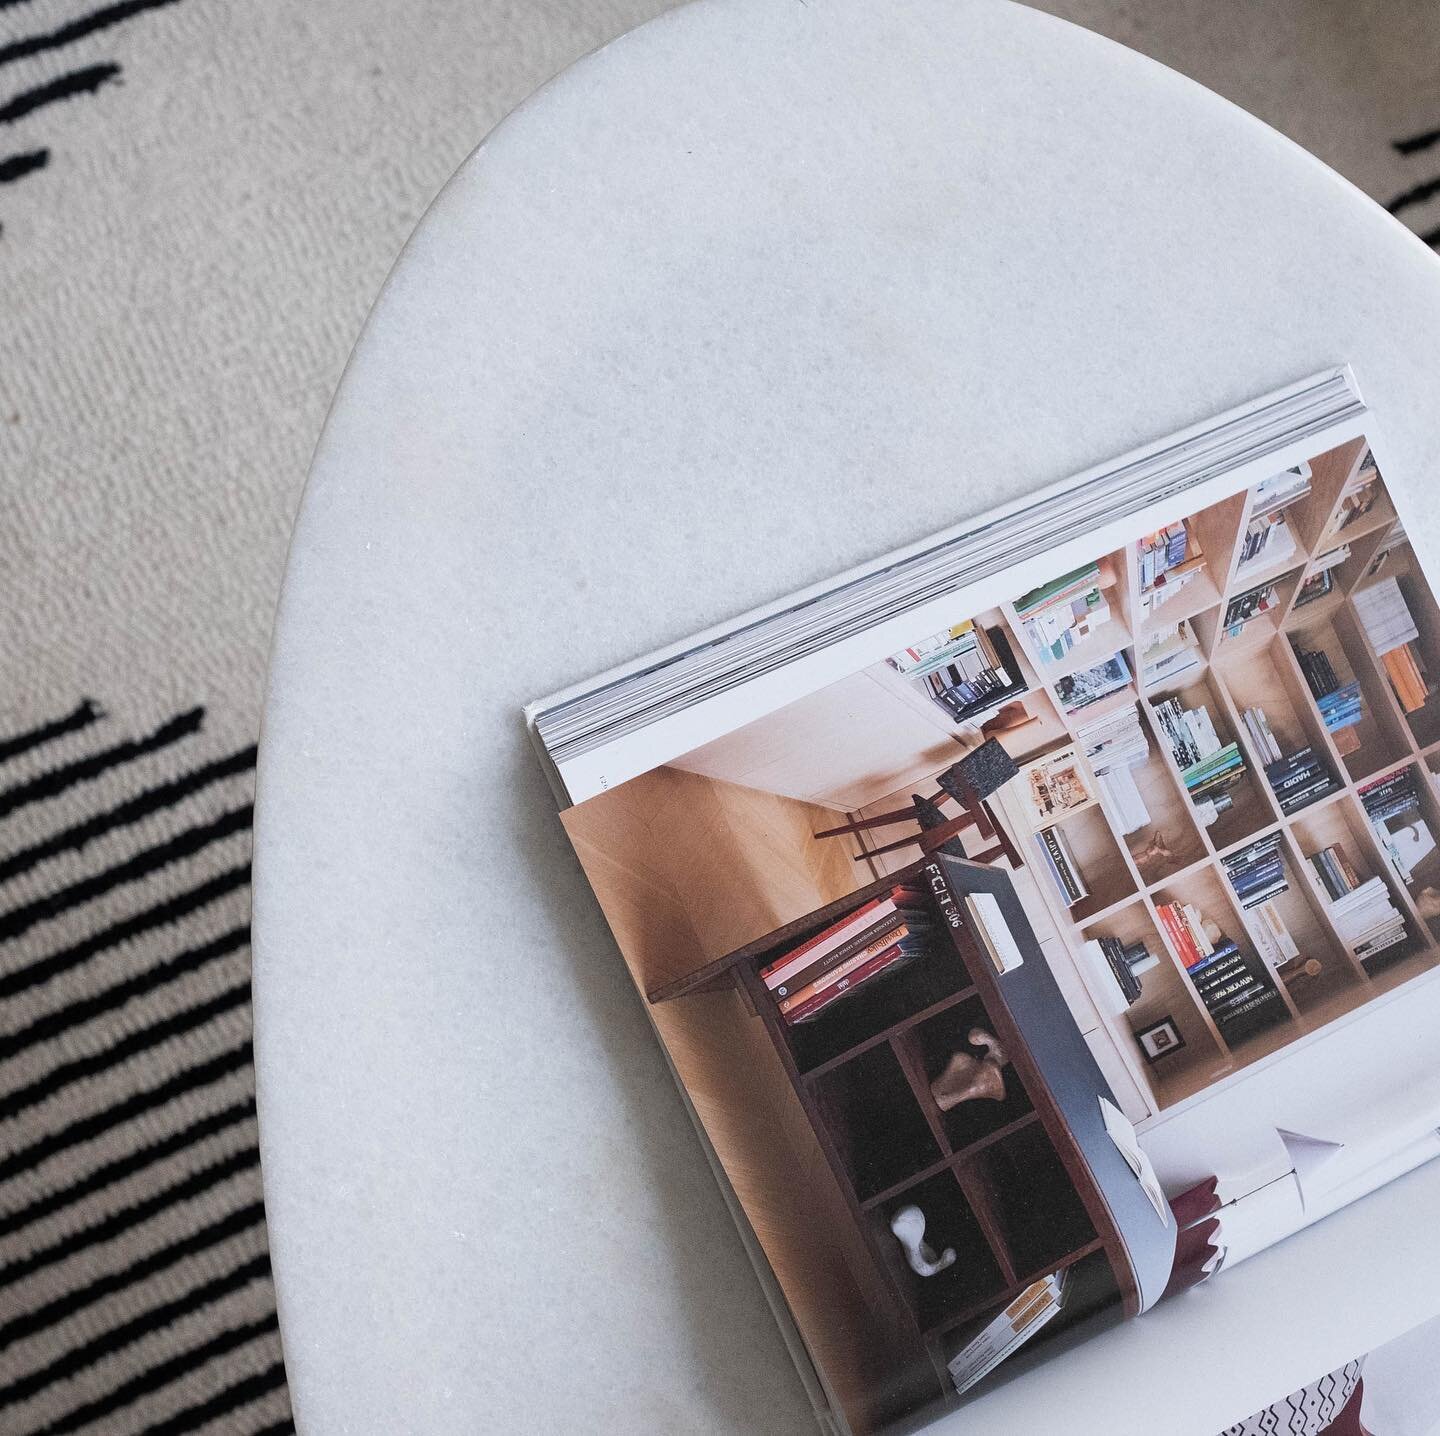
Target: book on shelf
{"type": "Point", "coordinates": [1392, 795]}
{"type": "Point", "coordinates": [1123, 800]}
{"type": "Point", "coordinates": [1126, 963]}
{"type": "Point", "coordinates": [1257, 871]}
{"type": "Point", "coordinates": [1089, 685]}
{"type": "Point", "coordinates": [1314, 587]}
{"type": "Point", "coordinates": [967, 669]}
{"type": "Point", "coordinates": [1394, 537]}
{"type": "Point", "coordinates": [1280, 490]}
{"type": "Point", "coordinates": [1169, 560]}
{"type": "Point", "coordinates": [1207, 766]}
{"type": "Point", "coordinates": [1268, 542]}
{"type": "Point", "coordinates": [1359, 496]}
{"type": "Point", "coordinates": [1340, 704]}
{"type": "Point", "coordinates": [903, 911]}
{"type": "Point", "coordinates": [1170, 655]}
{"type": "Point", "coordinates": [1063, 612]}
{"type": "Point", "coordinates": [1114, 746]}
{"type": "Point", "coordinates": [1391, 629]}
{"type": "Point", "coordinates": [1257, 725]}
{"type": "Point", "coordinates": [1253, 603]}
{"type": "Point", "coordinates": [1061, 865]}
{"type": "Point", "coordinates": [1005, 1334]}
{"type": "Point", "coordinates": [1239, 995]}
{"type": "Point", "coordinates": [1366, 919]}
{"type": "Point", "coordinates": [1392, 805]}
{"type": "Point", "coordinates": [1320, 579]}
{"type": "Point", "coordinates": [1115, 740]}
{"type": "Point", "coordinates": [1333, 867]}
{"type": "Point", "coordinates": [1299, 779]}
{"type": "Point", "coordinates": [1270, 935]}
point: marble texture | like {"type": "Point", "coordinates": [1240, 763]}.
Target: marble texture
{"type": "Point", "coordinates": [751, 295]}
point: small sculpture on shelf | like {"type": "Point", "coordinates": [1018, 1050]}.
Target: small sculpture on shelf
{"type": "Point", "coordinates": [908, 1227]}
{"type": "Point", "coordinates": [967, 1077]}
{"type": "Point", "coordinates": [1155, 856]}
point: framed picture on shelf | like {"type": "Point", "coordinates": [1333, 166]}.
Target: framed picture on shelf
{"type": "Point", "coordinates": [1160, 1039]}
{"type": "Point", "coordinates": [1055, 785]}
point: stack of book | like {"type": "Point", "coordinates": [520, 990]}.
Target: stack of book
{"type": "Point", "coordinates": [1079, 690]}
{"type": "Point", "coordinates": [1391, 631]}
{"type": "Point", "coordinates": [1321, 579]}
{"type": "Point", "coordinates": [1114, 746]}
{"type": "Point", "coordinates": [966, 669]}
{"type": "Point", "coordinates": [1021, 1319]}
{"type": "Point", "coordinates": [1316, 586]}
{"type": "Point", "coordinates": [1299, 779]}
{"type": "Point", "coordinates": [1272, 938]}
{"type": "Point", "coordinates": [1060, 863]}
{"type": "Point", "coordinates": [1169, 559]}
{"type": "Point", "coordinates": [1367, 921]}
{"type": "Point", "coordinates": [1267, 542]}
{"type": "Point", "coordinates": [1126, 963]}
{"type": "Point", "coordinates": [1207, 766]}
{"type": "Point", "coordinates": [1059, 614]}
{"type": "Point", "coordinates": [1169, 656]}
{"type": "Point", "coordinates": [1394, 537]}
{"type": "Point", "coordinates": [836, 963]}
{"type": "Point", "coordinates": [1257, 725]}
{"type": "Point", "coordinates": [1280, 490]}
{"type": "Point", "coordinates": [1358, 496]}
{"type": "Point", "coordinates": [1257, 871]}
{"type": "Point", "coordinates": [1250, 604]}
{"type": "Point", "coordinates": [1339, 703]}
{"type": "Point", "coordinates": [1239, 998]}
{"type": "Point", "coordinates": [1333, 869]}
{"type": "Point", "coordinates": [1393, 806]}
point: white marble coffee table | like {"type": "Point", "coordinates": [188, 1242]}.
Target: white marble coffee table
{"type": "Point", "coordinates": [754, 294]}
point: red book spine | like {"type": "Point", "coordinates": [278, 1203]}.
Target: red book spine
{"type": "Point", "coordinates": [835, 991]}
{"type": "Point", "coordinates": [1180, 938]}
{"type": "Point", "coordinates": [850, 920]}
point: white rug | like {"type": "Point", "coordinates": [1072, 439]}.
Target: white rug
{"type": "Point", "coordinates": [199, 201]}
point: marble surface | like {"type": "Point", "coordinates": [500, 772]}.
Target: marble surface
{"type": "Point", "coordinates": [751, 295]}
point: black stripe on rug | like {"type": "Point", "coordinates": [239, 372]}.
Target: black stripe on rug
{"type": "Point", "coordinates": [133, 1265]}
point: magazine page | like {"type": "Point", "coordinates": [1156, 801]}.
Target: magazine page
{"type": "Point", "coordinates": [1061, 956]}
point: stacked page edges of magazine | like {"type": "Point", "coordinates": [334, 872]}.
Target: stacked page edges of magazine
{"type": "Point", "coordinates": [1025, 914]}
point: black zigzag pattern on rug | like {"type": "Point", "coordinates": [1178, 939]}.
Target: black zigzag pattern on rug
{"type": "Point", "coordinates": [135, 1289]}
{"type": "Point", "coordinates": [1424, 190]}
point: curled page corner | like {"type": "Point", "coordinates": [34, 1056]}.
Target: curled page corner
{"type": "Point", "coordinates": [1309, 1156]}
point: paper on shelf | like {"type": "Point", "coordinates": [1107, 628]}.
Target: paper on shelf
{"type": "Point", "coordinates": [1123, 1135]}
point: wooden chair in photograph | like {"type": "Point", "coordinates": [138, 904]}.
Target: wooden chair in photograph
{"type": "Point", "coordinates": [968, 783]}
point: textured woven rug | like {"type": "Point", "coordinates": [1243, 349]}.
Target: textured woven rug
{"type": "Point", "coordinates": [198, 201]}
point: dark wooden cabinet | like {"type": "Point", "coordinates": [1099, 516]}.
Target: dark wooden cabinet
{"type": "Point", "coordinates": [1008, 1183]}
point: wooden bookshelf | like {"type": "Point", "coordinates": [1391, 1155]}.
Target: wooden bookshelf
{"type": "Point", "coordinates": [1257, 668]}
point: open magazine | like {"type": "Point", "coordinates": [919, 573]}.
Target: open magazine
{"type": "Point", "coordinates": [1043, 919]}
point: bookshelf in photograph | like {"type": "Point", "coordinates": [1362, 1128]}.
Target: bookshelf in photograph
{"type": "Point", "coordinates": [957, 1106]}
{"type": "Point", "coordinates": [1267, 778]}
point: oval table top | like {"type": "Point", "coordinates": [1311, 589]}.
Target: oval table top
{"type": "Point", "coordinates": [754, 294]}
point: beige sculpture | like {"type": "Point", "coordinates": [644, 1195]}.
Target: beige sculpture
{"type": "Point", "coordinates": [967, 1077]}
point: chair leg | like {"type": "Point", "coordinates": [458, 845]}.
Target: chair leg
{"type": "Point", "coordinates": [884, 820]}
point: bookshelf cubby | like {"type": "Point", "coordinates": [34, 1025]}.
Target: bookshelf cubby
{"type": "Point", "coordinates": [1250, 809]}
{"type": "Point", "coordinates": [1097, 851]}
{"type": "Point", "coordinates": [1259, 668]}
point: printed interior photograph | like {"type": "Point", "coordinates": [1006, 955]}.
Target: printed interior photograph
{"type": "Point", "coordinates": [982, 966]}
